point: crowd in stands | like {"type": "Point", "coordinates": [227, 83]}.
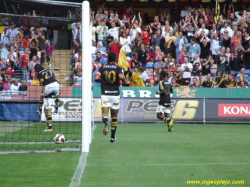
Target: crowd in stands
{"type": "Point", "coordinates": [196, 47]}
{"type": "Point", "coordinates": [193, 45]}
{"type": "Point", "coordinates": [21, 50]}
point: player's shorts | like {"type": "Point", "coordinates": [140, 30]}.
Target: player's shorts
{"type": "Point", "coordinates": [48, 58]}
{"type": "Point", "coordinates": [52, 89]}
{"type": "Point", "coordinates": [164, 109]}
{"type": "Point", "coordinates": [49, 102]}
{"type": "Point", "coordinates": [111, 101]}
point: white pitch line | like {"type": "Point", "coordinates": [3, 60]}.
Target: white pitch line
{"type": "Point", "coordinates": [194, 164]}
{"type": "Point", "coordinates": [76, 179]}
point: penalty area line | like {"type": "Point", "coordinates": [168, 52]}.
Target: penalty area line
{"type": "Point", "coordinates": [76, 179]}
{"type": "Point", "coordinates": [169, 164]}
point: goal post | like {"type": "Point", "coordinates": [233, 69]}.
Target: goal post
{"type": "Point", "coordinates": [87, 76]}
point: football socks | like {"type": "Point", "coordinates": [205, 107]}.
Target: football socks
{"type": "Point", "coordinates": [166, 119]}
{"type": "Point", "coordinates": [113, 127]}
{"type": "Point", "coordinates": [57, 102]}
{"type": "Point", "coordinates": [49, 121]}
{"type": "Point", "coordinates": [40, 105]}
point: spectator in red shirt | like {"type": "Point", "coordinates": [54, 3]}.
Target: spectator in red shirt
{"type": "Point", "coordinates": [151, 56]}
{"type": "Point", "coordinates": [10, 68]}
{"type": "Point", "coordinates": [25, 63]}
{"type": "Point", "coordinates": [115, 46]}
{"type": "Point", "coordinates": [236, 40]}
{"type": "Point", "coordinates": [128, 12]}
{"type": "Point", "coordinates": [146, 34]}
{"type": "Point", "coordinates": [26, 41]}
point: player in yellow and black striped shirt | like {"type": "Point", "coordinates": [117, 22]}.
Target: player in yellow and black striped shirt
{"type": "Point", "coordinates": [165, 90]}
{"type": "Point", "coordinates": [174, 83]}
{"type": "Point", "coordinates": [218, 77]}
{"type": "Point", "coordinates": [208, 83]}
{"type": "Point", "coordinates": [231, 83]}
{"type": "Point", "coordinates": [223, 83]}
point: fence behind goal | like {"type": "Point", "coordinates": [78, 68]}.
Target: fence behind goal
{"type": "Point", "coordinates": [21, 128]}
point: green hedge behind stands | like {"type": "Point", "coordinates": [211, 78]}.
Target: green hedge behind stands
{"type": "Point", "coordinates": [178, 92]}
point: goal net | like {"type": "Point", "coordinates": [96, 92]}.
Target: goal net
{"type": "Point", "coordinates": [21, 128]}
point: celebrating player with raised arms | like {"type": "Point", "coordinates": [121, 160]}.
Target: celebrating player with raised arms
{"type": "Point", "coordinates": [165, 89]}
{"type": "Point", "coordinates": [50, 93]}
{"type": "Point", "coordinates": [110, 75]}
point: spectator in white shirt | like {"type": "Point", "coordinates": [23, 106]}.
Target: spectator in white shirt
{"type": "Point", "coordinates": [77, 31]}
{"type": "Point", "coordinates": [12, 53]}
{"type": "Point", "coordinates": [170, 74]}
{"type": "Point", "coordinates": [215, 46]}
{"type": "Point", "coordinates": [203, 36]}
{"type": "Point", "coordinates": [186, 68]}
{"type": "Point", "coordinates": [102, 32]}
{"type": "Point", "coordinates": [184, 13]}
{"type": "Point", "coordinates": [33, 62]}
{"type": "Point", "coordinates": [93, 35]}
{"type": "Point", "coordinates": [14, 87]}
{"type": "Point", "coordinates": [93, 49]}
{"type": "Point", "coordinates": [124, 19]}
{"type": "Point", "coordinates": [125, 42]}
{"type": "Point", "coordinates": [163, 27]}
{"type": "Point", "coordinates": [226, 27]}
{"type": "Point", "coordinates": [134, 30]}
{"type": "Point", "coordinates": [114, 31]}
{"type": "Point", "coordinates": [203, 28]}
{"type": "Point", "coordinates": [144, 77]}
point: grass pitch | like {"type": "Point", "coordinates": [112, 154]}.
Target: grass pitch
{"type": "Point", "coordinates": [17, 134]}
{"type": "Point", "coordinates": [144, 155]}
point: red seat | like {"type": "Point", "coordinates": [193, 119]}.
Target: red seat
{"type": "Point", "coordinates": [213, 69]}
{"type": "Point", "coordinates": [149, 72]}
{"type": "Point", "coordinates": [152, 82]}
{"type": "Point", "coordinates": [151, 77]}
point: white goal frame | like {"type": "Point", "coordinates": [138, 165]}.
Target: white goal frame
{"type": "Point", "coordinates": [87, 76]}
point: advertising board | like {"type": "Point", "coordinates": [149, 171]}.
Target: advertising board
{"type": "Point", "coordinates": [131, 110]}
{"type": "Point", "coordinates": [19, 111]}
{"type": "Point", "coordinates": [232, 110]}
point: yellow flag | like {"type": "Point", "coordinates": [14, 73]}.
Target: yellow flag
{"type": "Point", "coordinates": [218, 8]}
{"type": "Point", "coordinates": [217, 13]}
{"type": "Point", "coordinates": [136, 80]}
{"type": "Point", "coordinates": [122, 60]}
{"type": "Point", "coordinates": [127, 79]}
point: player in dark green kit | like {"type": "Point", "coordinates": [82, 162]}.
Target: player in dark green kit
{"type": "Point", "coordinates": [110, 75]}
{"type": "Point", "coordinates": [165, 90]}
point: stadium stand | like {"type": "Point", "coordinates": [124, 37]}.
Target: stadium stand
{"type": "Point", "coordinates": [160, 36]}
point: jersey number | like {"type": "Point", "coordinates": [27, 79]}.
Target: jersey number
{"type": "Point", "coordinates": [110, 76]}
{"type": "Point", "coordinates": [47, 74]}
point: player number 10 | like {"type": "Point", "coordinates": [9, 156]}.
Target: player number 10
{"type": "Point", "coordinates": [110, 76]}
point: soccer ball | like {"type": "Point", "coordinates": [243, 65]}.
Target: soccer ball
{"type": "Point", "coordinates": [59, 138]}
